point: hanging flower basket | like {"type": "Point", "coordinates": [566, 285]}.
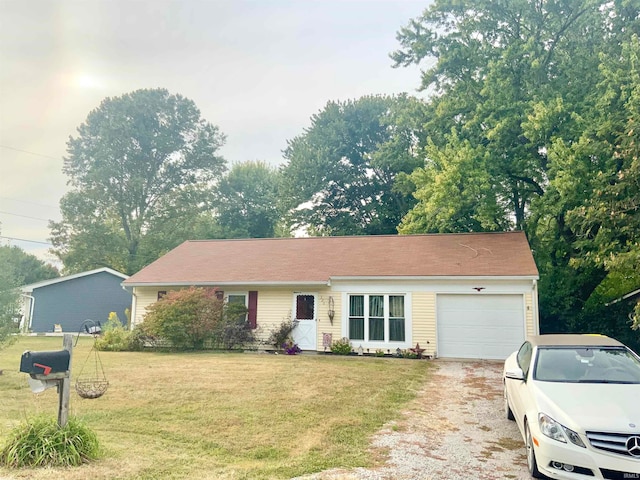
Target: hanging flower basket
{"type": "Point", "coordinates": [91, 388]}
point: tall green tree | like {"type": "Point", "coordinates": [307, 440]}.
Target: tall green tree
{"type": "Point", "coordinates": [495, 63]}
{"type": "Point", "coordinates": [340, 174]}
{"type": "Point", "coordinates": [247, 201]}
{"type": "Point", "coordinates": [140, 161]}
{"type": "Point", "coordinates": [17, 268]}
{"type": "Point", "coordinates": [524, 131]}
{"type": "Point", "coordinates": [25, 267]}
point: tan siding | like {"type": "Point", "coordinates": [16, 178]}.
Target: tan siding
{"type": "Point", "coordinates": [324, 323]}
{"type": "Point", "coordinates": [145, 296]}
{"type": "Point", "coordinates": [529, 321]}
{"type": "Point", "coordinates": [423, 318]}
{"type": "Point", "coordinates": [274, 307]}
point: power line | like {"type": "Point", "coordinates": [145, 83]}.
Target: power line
{"type": "Point", "coordinates": [25, 216]}
{"type": "Point", "coordinates": [25, 240]}
{"type": "Point", "coordinates": [30, 153]}
{"type": "Point", "coordinates": [28, 202]}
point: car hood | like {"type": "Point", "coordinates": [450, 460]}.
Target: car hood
{"type": "Point", "coordinates": [591, 406]}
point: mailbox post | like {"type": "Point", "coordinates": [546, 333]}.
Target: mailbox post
{"type": "Point", "coordinates": [53, 368]}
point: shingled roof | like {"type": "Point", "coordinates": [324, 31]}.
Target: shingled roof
{"type": "Point", "coordinates": [319, 259]}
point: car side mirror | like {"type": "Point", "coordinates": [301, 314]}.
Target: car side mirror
{"type": "Point", "coordinates": [515, 374]}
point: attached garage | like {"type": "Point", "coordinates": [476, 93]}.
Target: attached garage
{"type": "Point", "coordinates": [480, 326]}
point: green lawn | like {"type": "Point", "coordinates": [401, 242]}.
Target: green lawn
{"type": "Point", "coordinates": [219, 415]}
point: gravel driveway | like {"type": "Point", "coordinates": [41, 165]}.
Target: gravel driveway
{"type": "Point", "coordinates": [455, 429]}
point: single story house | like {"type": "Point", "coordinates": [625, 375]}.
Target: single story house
{"type": "Point", "coordinates": [458, 295]}
{"type": "Point", "coordinates": [65, 303]}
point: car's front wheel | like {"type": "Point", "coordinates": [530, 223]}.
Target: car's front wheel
{"type": "Point", "coordinates": [507, 409]}
{"type": "Point", "coordinates": [532, 464]}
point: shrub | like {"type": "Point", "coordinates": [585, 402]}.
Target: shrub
{"type": "Point", "coordinates": [186, 318]}
{"type": "Point", "coordinates": [115, 338]}
{"type": "Point", "coordinates": [341, 347]}
{"type": "Point", "coordinates": [233, 329]}
{"type": "Point", "coordinates": [139, 338]}
{"type": "Point", "coordinates": [42, 443]}
{"type": "Point", "coordinates": [282, 333]}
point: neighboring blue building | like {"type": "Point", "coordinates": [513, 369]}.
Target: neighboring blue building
{"type": "Point", "coordinates": [69, 301]}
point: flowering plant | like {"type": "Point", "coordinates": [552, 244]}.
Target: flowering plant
{"type": "Point", "coordinates": [290, 348]}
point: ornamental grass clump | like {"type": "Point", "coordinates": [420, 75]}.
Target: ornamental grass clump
{"type": "Point", "coordinates": [40, 442]}
{"type": "Point", "coordinates": [341, 347]}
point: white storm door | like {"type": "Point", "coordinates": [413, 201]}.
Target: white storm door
{"type": "Point", "coordinates": [305, 310]}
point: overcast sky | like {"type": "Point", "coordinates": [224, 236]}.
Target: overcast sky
{"type": "Point", "coordinates": [256, 69]}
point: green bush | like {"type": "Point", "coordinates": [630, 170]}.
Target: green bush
{"type": "Point", "coordinates": [139, 338]}
{"type": "Point", "coordinates": [42, 443]}
{"type": "Point", "coordinates": [233, 330]}
{"type": "Point", "coordinates": [341, 347]}
{"type": "Point", "coordinates": [194, 319]}
{"type": "Point", "coordinates": [186, 318]}
{"type": "Point", "coordinates": [115, 338]}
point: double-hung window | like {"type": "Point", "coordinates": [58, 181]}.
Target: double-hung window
{"type": "Point", "coordinates": [377, 318]}
{"type": "Point", "coordinates": [238, 299]}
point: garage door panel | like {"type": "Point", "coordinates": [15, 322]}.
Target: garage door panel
{"type": "Point", "coordinates": [479, 326]}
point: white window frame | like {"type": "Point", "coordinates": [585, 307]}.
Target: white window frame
{"type": "Point", "coordinates": [385, 344]}
{"type": "Point", "coordinates": [237, 294]}
{"type": "Point", "coordinates": [246, 300]}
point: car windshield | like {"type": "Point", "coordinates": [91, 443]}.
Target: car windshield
{"type": "Point", "coordinates": [587, 365]}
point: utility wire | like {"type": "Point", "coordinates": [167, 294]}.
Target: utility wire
{"type": "Point", "coordinates": [30, 153]}
{"type": "Point", "coordinates": [28, 202]}
{"type": "Point", "coordinates": [25, 216]}
{"type": "Point", "coordinates": [25, 240]}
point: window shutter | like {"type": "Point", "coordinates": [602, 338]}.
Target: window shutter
{"type": "Point", "coordinates": [252, 315]}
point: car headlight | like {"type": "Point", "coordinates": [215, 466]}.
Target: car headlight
{"type": "Point", "coordinates": [557, 431]}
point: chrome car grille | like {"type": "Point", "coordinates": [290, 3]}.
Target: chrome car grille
{"type": "Point", "coordinates": [620, 443]}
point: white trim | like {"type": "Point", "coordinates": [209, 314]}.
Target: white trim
{"type": "Point", "coordinates": [223, 284]}
{"type": "Point", "coordinates": [313, 321]}
{"type": "Point", "coordinates": [328, 282]}
{"type": "Point", "coordinates": [31, 287]}
{"type": "Point", "coordinates": [437, 277]}
{"type": "Point", "coordinates": [487, 287]}
{"type": "Point", "coordinates": [624, 297]}
{"type": "Point", "coordinates": [373, 345]}
{"type": "Point", "coordinates": [237, 293]}
{"type": "Point", "coordinates": [315, 304]}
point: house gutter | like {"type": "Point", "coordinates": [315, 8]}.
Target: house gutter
{"type": "Point", "coordinates": [437, 277]}
{"type": "Point", "coordinates": [224, 284]}
{"type": "Point", "coordinates": [536, 313]}
{"type": "Point", "coordinates": [134, 304]}
{"type": "Point", "coordinates": [32, 305]}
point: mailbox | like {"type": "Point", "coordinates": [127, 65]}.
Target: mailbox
{"type": "Point", "coordinates": [45, 365]}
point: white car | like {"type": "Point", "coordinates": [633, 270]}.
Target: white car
{"type": "Point", "coordinates": [576, 400]}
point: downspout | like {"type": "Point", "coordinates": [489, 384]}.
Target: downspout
{"type": "Point", "coordinates": [134, 305]}
{"type": "Point", "coordinates": [536, 314]}
{"type": "Point", "coordinates": [32, 305]}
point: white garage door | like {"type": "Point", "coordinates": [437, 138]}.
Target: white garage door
{"type": "Point", "coordinates": [480, 326]}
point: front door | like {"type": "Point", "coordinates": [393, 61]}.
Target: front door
{"type": "Point", "coordinates": [305, 308]}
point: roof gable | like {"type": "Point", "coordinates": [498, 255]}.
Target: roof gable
{"type": "Point", "coordinates": [31, 287]}
{"type": "Point", "coordinates": [319, 259]}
